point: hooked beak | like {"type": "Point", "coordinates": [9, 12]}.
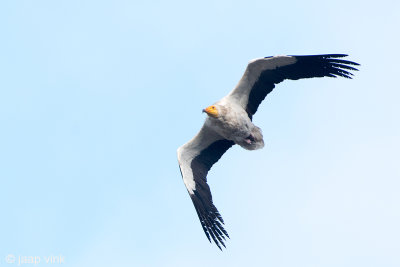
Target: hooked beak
{"type": "Point", "coordinates": [211, 111]}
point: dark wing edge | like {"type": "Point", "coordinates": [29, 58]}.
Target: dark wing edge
{"type": "Point", "coordinates": [210, 218]}
{"type": "Point", "coordinates": [309, 66]}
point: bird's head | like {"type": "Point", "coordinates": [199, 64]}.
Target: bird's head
{"type": "Point", "coordinates": [212, 111]}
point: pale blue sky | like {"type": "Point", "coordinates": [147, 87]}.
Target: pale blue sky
{"type": "Point", "coordinates": [96, 96]}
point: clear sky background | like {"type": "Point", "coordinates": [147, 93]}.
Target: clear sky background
{"type": "Point", "coordinates": [96, 96]}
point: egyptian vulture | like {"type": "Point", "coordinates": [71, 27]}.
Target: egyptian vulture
{"type": "Point", "coordinates": [229, 122]}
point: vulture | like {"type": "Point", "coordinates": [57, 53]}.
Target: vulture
{"type": "Point", "coordinates": [229, 122]}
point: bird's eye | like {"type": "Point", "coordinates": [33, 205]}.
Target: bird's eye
{"type": "Point", "coordinates": [213, 107]}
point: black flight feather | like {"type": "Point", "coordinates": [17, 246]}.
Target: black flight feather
{"type": "Point", "coordinates": [210, 218]}
{"type": "Point", "coordinates": [305, 67]}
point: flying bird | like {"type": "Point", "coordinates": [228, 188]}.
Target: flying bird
{"type": "Point", "coordinates": [229, 122]}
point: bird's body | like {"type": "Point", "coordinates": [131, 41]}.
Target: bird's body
{"type": "Point", "coordinates": [229, 122]}
{"type": "Point", "coordinates": [234, 124]}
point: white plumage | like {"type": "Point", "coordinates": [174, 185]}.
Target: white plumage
{"type": "Point", "coordinates": [229, 122]}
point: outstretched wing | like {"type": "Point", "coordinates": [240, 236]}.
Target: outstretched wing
{"type": "Point", "coordinates": [196, 158]}
{"type": "Point", "coordinates": [262, 74]}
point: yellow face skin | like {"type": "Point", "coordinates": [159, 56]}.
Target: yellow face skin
{"type": "Point", "coordinates": [211, 111]}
